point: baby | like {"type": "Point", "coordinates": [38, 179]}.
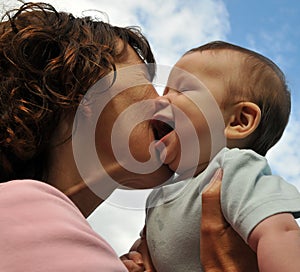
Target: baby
{"type": "Point", "coordinates": [250, 94]}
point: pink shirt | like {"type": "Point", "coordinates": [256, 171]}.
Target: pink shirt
{"type": "Point", "coordinates": [42, 230]}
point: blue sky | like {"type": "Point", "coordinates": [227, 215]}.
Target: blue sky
{"type": "Point", "coordinates": [271, 27]}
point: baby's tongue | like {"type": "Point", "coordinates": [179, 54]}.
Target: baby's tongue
{"type": "Point", "coordinates": [162, 129]}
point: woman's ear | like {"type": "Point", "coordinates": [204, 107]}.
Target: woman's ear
{"type": "Point", "coordinates": [243, 121]}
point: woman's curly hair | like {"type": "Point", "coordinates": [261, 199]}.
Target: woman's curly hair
{"type": "Point", "coordinates": [48, 60]}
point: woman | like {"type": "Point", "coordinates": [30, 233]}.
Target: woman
{"type": "Point", "coordinates": [49, 61]}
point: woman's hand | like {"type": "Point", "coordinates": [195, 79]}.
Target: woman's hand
{"type": "Point", "coordinates": [138, 259]}
{"type": "Point", "coordinates": [133, 261]}
{"type": "Point", "coordinates": [221, 248]}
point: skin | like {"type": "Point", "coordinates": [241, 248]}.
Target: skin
{"type": "Point", "coordinates": [191, 96]}
{"type": "Point", "coordinates": [216, 231]}
{"type": "Point", "coordinates": [62, 167]}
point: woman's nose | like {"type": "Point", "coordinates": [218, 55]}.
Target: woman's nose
{"type": "Point", "coordinates": [162, 102]}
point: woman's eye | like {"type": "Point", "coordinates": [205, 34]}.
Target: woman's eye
{"type": "Point", "coordinates": [166, 90]}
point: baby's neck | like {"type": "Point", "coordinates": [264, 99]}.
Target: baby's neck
{"type": "Point", "coordinates": [200, 168]}
{"type": "Point", "coordinates": [192, 172]}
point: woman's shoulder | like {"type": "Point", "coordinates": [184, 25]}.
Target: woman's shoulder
{"type": "Point", "coordinates": [28, 189]}
{"type": "Point", "coordinates": [34, 200]}
{"type": "Point", "coordinates": [49, 231]}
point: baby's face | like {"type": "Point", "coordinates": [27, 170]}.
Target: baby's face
{"type": "Point", "coordinates": [191, 104]}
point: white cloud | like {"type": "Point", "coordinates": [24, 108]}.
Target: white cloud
{"type": "Point", "coordinates": [119, 226]}
{"type": "Point", "coordinates": [172, 26]}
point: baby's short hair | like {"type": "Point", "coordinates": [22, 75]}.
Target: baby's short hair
{"type": "Point", "coordinates": [262, 82]}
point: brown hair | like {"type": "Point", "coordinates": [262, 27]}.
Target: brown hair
{"type": "Point", "coordinates": [262, 82]}
{"type": "Point", "coordinates": [48, 59]}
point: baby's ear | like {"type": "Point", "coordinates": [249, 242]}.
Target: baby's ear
{"type": "Point", "coordinates": [243, 121]}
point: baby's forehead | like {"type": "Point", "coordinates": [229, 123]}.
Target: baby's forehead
{"type": "Point", "coordinates": [216, 59]}
{"type": "Point", "coordinates": [217, 64]}
{"type": "Point", "coordinates": [214, 62]}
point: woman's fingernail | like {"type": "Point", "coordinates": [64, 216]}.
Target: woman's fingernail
{"type": "Point", "coordinates": [139, 262]}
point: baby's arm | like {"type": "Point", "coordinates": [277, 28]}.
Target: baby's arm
{"type": "Point", "coordinates": [276, 240]}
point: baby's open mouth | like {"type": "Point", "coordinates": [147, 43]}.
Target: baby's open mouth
{"type": "Point", "coordinates": [161, 129]}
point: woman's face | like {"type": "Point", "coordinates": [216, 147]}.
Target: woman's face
{"type": "Point", "coordinates": [123, 133]}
